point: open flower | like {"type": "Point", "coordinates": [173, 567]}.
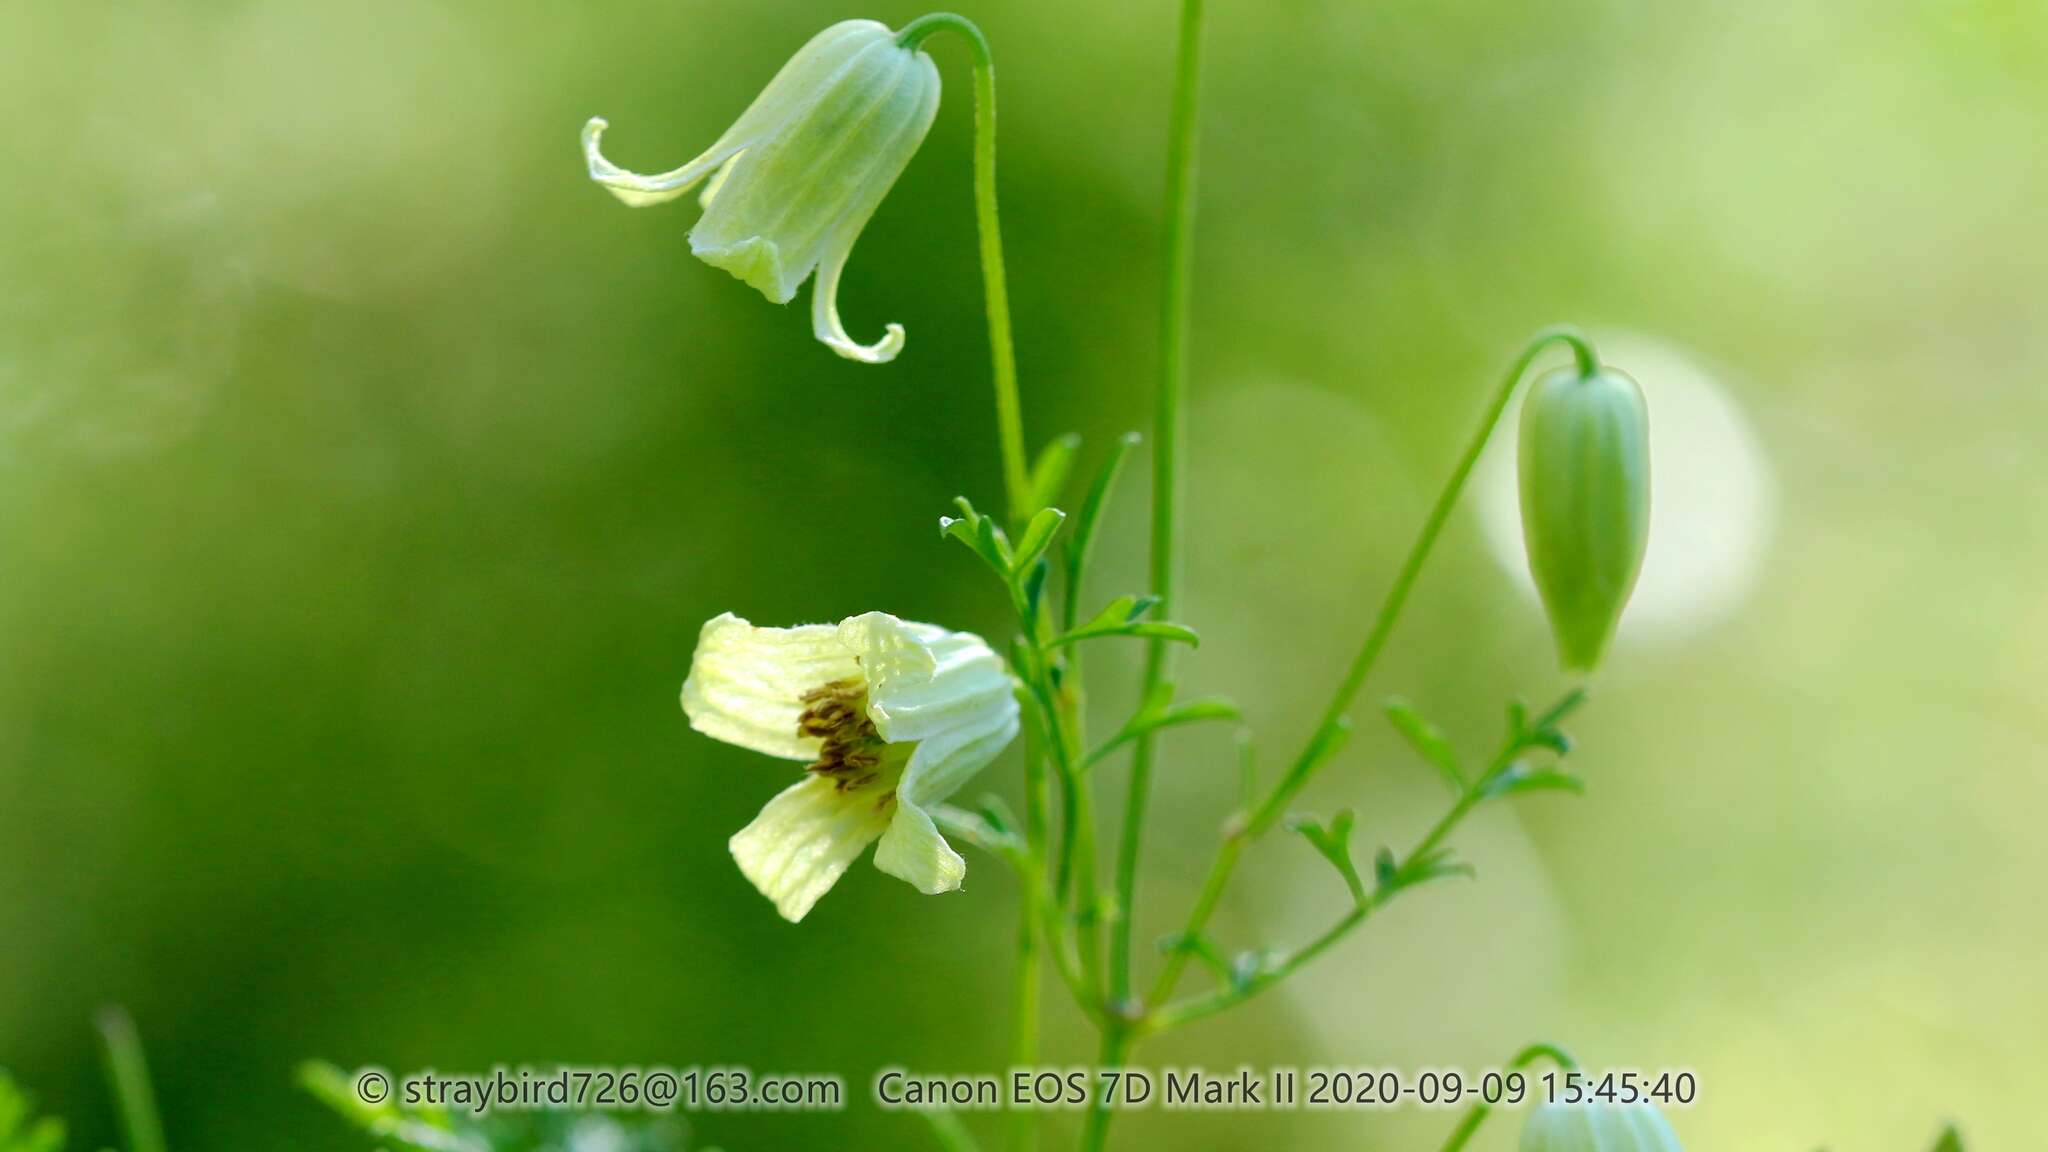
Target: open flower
{"type": "Point", "coordinates": [797, 176]}
{"type": "Point", "coordinates": [891, 717]}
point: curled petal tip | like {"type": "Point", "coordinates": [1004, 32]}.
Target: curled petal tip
{"type": "Point", "coordinates": [630, 187]}
{"type": "Point", "coordinates": [880, 352]}
{"type": "Point", "coordinates": [593, 131]}
{"type": "Point", "coordinates": [831, 330]}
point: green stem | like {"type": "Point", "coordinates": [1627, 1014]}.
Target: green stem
{"type": "Point", "coordinates": [1117, 1039]}
{"type": "Point", "coordinates": [1016, 486]}
{"type": "Point", "coordinates": [1267, 812]}
{"type": "Point", "coordinates": [1462, 1134]}
{"type": "Point", "coordinates": [1024, 997]}
{"type": "Point", "coordinates": [128, 1074]}
{"type": "Point", "coordinates": [995, 282]}
{"type": "Point", "coordinates": [1169, 431]}
{"type": "Point", "coordinates": [1073, 889]}
{"type": "Point", "coordinates": [1085, 905]}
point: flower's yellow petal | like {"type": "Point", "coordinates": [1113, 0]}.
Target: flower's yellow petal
{"type": "Point", "coordinates": [803, 840]}
{"type": "Point", "coordinates": [746, 684]}
{"type": "Point", "coordinates": [913, 851]}
{"type": "Point", "coordinates": [946, 692]}
{"type": "Point", "coordinates": [892, 653]}
{"type": "Point", "coordinates": [912, 848]}
{"type": "Point", "coordinates": [941, 763]}
{"type": "Point", "coordinates": [798, 85]}
{"type": "Point", "coordinates": [961, 714]}
{"type": "Point", "coordinates": [963, 687]}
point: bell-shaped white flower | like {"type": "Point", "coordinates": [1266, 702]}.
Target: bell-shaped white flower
{"type": "Point", "coordinates": [796, 178]}
{"type": "Point", "coordinates": [890, 716]}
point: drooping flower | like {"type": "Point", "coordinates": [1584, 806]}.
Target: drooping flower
{"type": "Point", "coordinates": [890, 716]}
{"type": "Point", "coordinates": [1585, 481]}
{"type": "Point", "coordinates": [797, 176]}
{"type": "Point", "coordinates": [1595, 1126]}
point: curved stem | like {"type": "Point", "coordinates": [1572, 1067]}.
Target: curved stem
{"type": "Point", "coordinates": [1169, 430]}
{"type": "Point", "coordinates": [995, 281]}
{"type": "Point", "coordinates": [1275, 803]}
{"type": "Point", "coordinates": [1462, 1134]}
{"type": "Point", "coordinates": [1425, 542]}
{"type": "Point", "coordinates": [1033, 931]}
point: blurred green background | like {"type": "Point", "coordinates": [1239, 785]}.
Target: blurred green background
{"type": "Point", "coordinates": [365, 474]}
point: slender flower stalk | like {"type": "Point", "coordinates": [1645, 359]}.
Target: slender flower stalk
{"type": "Point", "coordinates": [1262, 816]}
{"type": "Point", "coordinates": [1032, 914]}
{"type": "Point", "coordinates": [1169, 431]}
{"type": "Point", "coordinates": [1463, 1133]}
{"type": "Point", "coordinates": [995, 280]}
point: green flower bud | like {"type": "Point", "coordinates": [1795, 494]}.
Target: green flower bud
{"type": "Point", "coordinates": [795, 179]}
{"type": "Point", "coordinates": [1585, 479]}
{"type": "Point", "coordinates": [1598, 1127]}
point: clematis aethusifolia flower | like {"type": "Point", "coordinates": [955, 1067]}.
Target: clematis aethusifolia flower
{"type": "Point", "coordinates": [889, 718]}
{"type": "Point", "coordinates": [797, 176]}
{"type": "Point", "coordinates": [1595, 1126]}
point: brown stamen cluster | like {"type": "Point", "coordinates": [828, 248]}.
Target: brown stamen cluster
{"type": "Point", "coordinates": [837, 714]}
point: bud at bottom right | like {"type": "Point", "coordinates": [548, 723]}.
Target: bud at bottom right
{"type": "Point", "coordinates": [1584, 465]}
{"type": "Point", "coordinates": [1598, 1127]}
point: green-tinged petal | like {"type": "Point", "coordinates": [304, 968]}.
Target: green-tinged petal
{"type": "Point", "coordinates": [799, 198]}
{"type": "Point", "coordinates": [717, 181]}
{"type": "Point", "coordinates": [803, 840]}
{"type": "Point", "coordinates": [790, 189]}
{"type": "Point", "coordinates": [943, 762]}
{"type": "Point", "coordinates": [638, 191]}
{"type": "Point", "coordinates": [826, 324]}
{"type": "Point", "coordinates": [891, 652]}
{"type": "Point", "coordinates": [964, 686]}
{"type": "Point", "coordinates": [797, 85]}
{"type": "Point", "coordinates": [912, 849]}
{"type": "Point", "coordinates": [831, 330]}
{"type": "Point", "coordinates": [746, 684]}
